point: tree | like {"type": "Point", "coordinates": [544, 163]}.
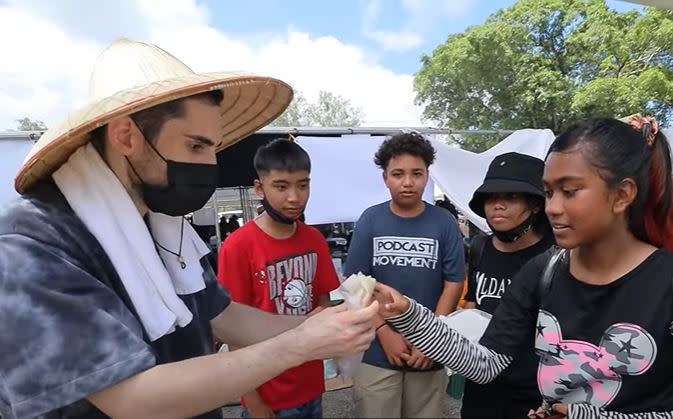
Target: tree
{"type": "Point", "coordinates": [27, 124]}
{"type": "Point", "coordinates": [544, 63]}
{"type": "Point", "coordinates": [329, 111]}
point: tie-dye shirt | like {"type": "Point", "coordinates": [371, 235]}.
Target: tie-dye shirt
{"type": "Point", "coordinates": [69, 328]}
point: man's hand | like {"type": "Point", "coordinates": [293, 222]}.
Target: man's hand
{"type": "Point", "coordinates": [315, 311]}
{"type": "Point", "coordinates": [560, 408]}
{"type": "Point", "coordinates": [394, 345]}
{"type": "Point", "coordinates": [559, 411]}
{"type": "Point", "coordinates": [256, 406]}
{"type": "Point", "coordinates": [417, 360]}
{"type": "Point", "coordinates": [391, 302]}
{"type": "Point", "coordinates": [336, 332]}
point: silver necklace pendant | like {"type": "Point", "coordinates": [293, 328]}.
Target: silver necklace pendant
{"type": "Point", "coordinates": [181, 259]}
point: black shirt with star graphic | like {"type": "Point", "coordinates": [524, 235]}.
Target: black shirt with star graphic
{"type": "Point", "coordinates": [606, 345]}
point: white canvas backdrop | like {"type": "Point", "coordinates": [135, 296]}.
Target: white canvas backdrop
{"type": "Point", "coordinates": [458, 173]}
{"type": "Point", "coordinates": [344, 179]}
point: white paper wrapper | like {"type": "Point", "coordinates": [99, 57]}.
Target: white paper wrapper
{"type": "Point", "coordinates": [357, 291]}
{"type": "Point", "coordinates": [471, 323]}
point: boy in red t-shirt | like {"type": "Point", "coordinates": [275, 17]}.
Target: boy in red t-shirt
{"type": "Point", "coordinates": [279, 264]}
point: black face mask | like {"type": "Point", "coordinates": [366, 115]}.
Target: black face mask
{"type": "Point", "coordinates": [190, 186]}
{"type": "Point", "coordinates": [277, 216]}
{"type": "Point", "coordinates": [516, 233]}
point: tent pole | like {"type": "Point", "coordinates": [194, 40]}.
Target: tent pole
{"type": "Point", "coordinates": [218, 233]}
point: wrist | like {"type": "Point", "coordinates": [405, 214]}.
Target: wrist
{"type": "Point", "coordinates": [383, 325]}
{"type": "Point", "coordinates": [295, 350]}
{"type": "Point", "coordinates": [407, 305]}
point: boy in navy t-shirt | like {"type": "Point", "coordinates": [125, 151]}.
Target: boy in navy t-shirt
{"type": "Point", "coordinates": [416, 248]}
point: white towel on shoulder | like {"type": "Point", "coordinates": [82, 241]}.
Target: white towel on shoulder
{"type": "Point", "coordinates": [153, 280]}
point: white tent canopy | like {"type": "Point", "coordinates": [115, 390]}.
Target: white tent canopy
{"type": "Point", "coordinates": [458, 173]}
{"type": "Point", "coordinates": [345, 181]}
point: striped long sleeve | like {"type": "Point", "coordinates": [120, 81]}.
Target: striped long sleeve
{"type": "Point", "coordinates": [585, 411]}
{"type": "Point", "coordinates": [442, 344]}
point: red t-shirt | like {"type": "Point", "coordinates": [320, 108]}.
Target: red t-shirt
{"type": "Point", "coordinates": [282, 277]}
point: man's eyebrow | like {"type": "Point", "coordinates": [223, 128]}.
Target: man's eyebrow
{"type": "Point", "coordinates": [200, 138]}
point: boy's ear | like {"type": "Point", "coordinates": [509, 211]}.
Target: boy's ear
{"type": "Point", "coordinates": [258, 188]}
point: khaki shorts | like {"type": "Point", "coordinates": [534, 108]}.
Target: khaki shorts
{"type": "Point", "coordinates": [383, 393]}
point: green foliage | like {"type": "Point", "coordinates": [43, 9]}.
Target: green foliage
{"type": "Point", "coordinates": [545, 63]}
{"type": "Point", "coordinates": [329, 111]}
{"type": "Point", "coordinates": [27, 124]}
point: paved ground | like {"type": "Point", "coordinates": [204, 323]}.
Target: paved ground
{"type": "Point", "coordinates": [339, 404]}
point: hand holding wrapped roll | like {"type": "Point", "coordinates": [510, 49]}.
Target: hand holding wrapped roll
{"type": "Point", "coordinates": [357, 291]}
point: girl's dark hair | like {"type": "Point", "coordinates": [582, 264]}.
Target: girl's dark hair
{"type": "Point", "coordinates": [621, 151]}
{"type": "Point", "coordinates": [541, 224]}
{"type": "Point", "coordinates": [281, 154]}
{"type": "Point", "coordinates": [405, 143]}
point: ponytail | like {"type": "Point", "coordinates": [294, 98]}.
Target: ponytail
{"type": "Point", "coordinates": [658, 211]}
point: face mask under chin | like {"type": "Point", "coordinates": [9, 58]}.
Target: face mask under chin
{"type": "Point", "coordinates": [277, 216]}
{"type": "Point", "coordinates": [514, 234]}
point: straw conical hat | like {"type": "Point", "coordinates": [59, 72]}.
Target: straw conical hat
{"type": "Point", "coordinates": [130, 76]}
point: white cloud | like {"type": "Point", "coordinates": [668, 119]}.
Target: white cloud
{"type": "Point", "coordinates": [422, 16]}
{"type": "Point", "coordinates": [396, 41]}
{"type": "Point", "coordinates": [45, 71]}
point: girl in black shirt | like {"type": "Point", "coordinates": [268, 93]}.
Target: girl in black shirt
{"type": "Point", "coordinates": [598, 311]}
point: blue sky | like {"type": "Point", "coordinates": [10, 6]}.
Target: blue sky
{"type": "Point", "coordinates": [367, 51]}
{"type": "Point", "coordinates": [348, 20]}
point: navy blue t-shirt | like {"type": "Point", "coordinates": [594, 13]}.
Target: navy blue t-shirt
{"type": "Point", "coordinates": [68, 326]}
{"type": "Point", "coordinates": [414, 255]}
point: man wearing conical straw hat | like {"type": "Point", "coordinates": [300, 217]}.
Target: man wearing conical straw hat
{"type": "Point", "coordinates": [108, 305]}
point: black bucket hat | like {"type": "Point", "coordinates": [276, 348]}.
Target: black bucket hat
{"type": "Point", "coordinates": [509, 173]}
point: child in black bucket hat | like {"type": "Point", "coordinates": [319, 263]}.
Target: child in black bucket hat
{"type": "Point", "coordinates": [511, 199]}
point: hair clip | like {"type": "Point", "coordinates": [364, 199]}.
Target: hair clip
{"type": "Point", "coordinates": [647, 125]}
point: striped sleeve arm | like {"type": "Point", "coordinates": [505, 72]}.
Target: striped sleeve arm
{"type": "Point", "coordinates": [585, 411]}
{"type": "Point", "coordinates": [442, 344]}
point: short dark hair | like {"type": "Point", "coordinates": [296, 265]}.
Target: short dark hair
{"type": "Point", "coordinates": [405, 143]}
{"type": "Point", "coordinates": [151, 120]}
{"type": "Point", "coordinates": [281, 154]}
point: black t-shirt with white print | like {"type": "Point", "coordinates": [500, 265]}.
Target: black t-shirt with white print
{"type": "Point", "coordinates": [605, 345]}
{"type": "Point", "coordinates": [492, 275]}
{"type": "Point", "coordinates": [494, 271]}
